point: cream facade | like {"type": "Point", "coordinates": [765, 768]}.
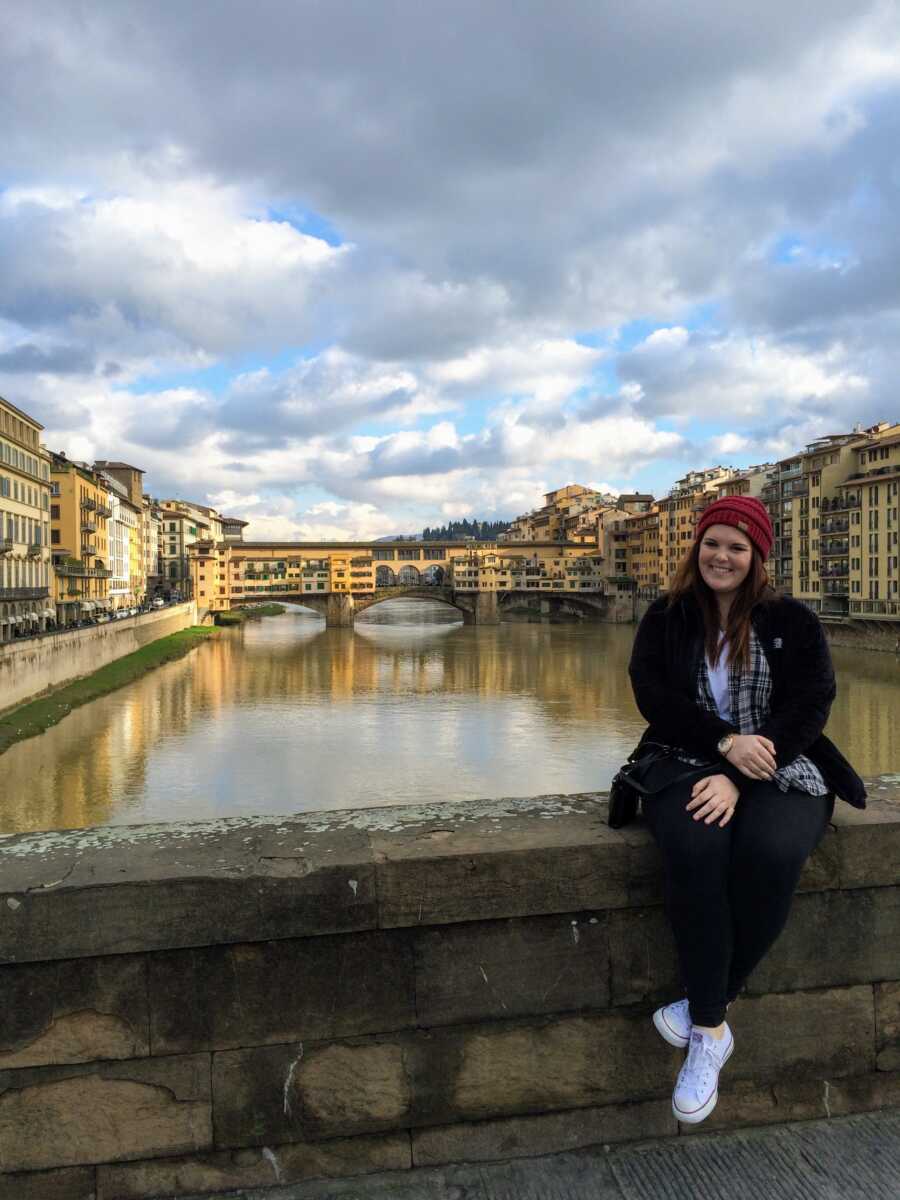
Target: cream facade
{"type": "Point", "coordinates": [26, 601]}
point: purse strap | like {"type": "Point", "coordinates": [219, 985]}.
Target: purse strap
{"type": "Point", "coordinates": [648, 760]}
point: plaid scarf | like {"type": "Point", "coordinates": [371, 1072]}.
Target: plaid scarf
{"type": "Point", "coordinates": [749, 692]}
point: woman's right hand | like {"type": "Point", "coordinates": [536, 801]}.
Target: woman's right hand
{"type": "Point", "coordinates": [753, 755]}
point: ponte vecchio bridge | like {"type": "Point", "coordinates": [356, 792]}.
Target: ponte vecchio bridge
{"type": "Point", "coordinates": [341, 579]}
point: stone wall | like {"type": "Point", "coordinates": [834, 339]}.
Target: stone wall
{"type": "Point", "coordinates": [34, 665]}
{"type": "Point", "coordinates": [244, 1002]}
{"type": "Point", "coordinates": [860, 633]}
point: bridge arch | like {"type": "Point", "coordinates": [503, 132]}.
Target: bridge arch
{"type": "Point", "coordinates": [408, 576]}
{"type": "Point", "coordinates": [385, 577]}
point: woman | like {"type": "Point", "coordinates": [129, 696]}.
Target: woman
{"type": "Point", "coordinates": [737, 680]}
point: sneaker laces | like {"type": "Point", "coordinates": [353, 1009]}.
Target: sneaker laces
{"type": "Point", "coordinates": [700, 1062]}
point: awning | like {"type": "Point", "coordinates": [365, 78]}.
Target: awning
{"type": "Point", "coordinates": [48, 612]}
{"type": "Point", "coordinates": [33, 616]}
{"type": "Point", "coordinates": [87, 605]}
{"type": "Point", "coordinates": [18, 620]}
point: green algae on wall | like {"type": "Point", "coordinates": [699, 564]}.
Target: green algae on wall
{"type": "Point", "coordinates": [237, 616]}
{"type": "Point", "coordinates": [38, 715]}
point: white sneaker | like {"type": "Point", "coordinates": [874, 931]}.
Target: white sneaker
{"type": "Point", "coordinates": [673, 1023]}
{"type": "Point", "coordinates": [697, 1086]}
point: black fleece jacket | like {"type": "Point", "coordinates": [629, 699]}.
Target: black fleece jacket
{"type": "Point", "coordinates": [665, 660]}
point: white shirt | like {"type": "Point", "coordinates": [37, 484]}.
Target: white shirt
{"type": "Point", "coordinates": [718, 681]}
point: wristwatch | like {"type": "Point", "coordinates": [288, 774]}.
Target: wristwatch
{"type": "Point", "coordinates": [725, 744]}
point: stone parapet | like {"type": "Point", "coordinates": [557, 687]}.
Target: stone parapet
{"type": "Point", "coordinates": [191, 1008]}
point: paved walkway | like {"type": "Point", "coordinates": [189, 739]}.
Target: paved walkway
{"type": "Point", "coordinates": [849, 1158]}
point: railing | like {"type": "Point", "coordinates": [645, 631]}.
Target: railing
{"type": "Point", "coordinates": [6, 545]}
{"type": "Point", "coordinates": [103, 511]}
{"type": "Point", "coordinates": [89, 504]}
{"type": "Point", "coordinates": [24, 594]}
{"type": "Point", "coordinates": [88, 527]}
{"type": "Point", "coordinates": [879, 608]}
{"type": "Point", "coordinates": [840, 572]}
{"type": "Point", "coordinates": [838, 526]}
{"type": "Point", "coordinates": [81, 571]}
{"type": "Point", "coordinates": [834, 549]}
{"type": "Point", "coordinates": [35, 549]}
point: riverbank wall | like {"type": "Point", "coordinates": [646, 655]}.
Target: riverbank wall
{"type": "Point", "coordinates": [253, 1001]}
{"type": "Point", "coordinates": [32, 666]}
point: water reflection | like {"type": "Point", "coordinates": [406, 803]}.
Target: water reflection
{"type": "Point", "coordinates": [284, 715]}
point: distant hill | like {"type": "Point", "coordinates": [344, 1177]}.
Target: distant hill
{"type": "Point", "coordinates": [481, 531]}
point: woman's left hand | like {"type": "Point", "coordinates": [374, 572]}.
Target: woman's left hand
{"type": "Point", "coordinates": [713, 799]}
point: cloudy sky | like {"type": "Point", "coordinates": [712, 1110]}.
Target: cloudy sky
{"type": "Point", "coordinates": [350, 268]}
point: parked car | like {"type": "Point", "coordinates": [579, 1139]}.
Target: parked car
{"type": "Point", "coordinates": [157, 602]}
{"type": "Point", "coordinates": [102, 618]}
{"type": "Point", "coordinates": [133, 612]}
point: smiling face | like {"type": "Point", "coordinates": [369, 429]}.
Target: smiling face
{"type": "Point", "coordinates": [724, 559]}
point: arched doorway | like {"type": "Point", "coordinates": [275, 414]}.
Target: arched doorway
{"type": "Point", "coordinates": [409, 576]}
{"type": "Point", "coordinates": [384, 577]}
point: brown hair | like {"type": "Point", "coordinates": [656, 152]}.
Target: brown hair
{"type": "Point", "coordinates": [756, 587]}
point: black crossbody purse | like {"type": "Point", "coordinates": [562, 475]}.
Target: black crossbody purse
{"type": "Point", "coordinates": [627, 787]}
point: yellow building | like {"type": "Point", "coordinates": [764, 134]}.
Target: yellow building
{"type": "Point", "coordinates": [869, 498]}
{"type": "Point", "coordinates": [25, 587]}
{"type": "Point", "coordinates": [643, 543]}
{"type": "Point", "coordinates": [79, 512]}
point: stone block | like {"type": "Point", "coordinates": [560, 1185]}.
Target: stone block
{"type": "Point", "coordinates": [747, 1102]}
{"type": "Point", "coordinates": [823, 868]}
{"type": "Point", "coordinates": [869, 844]}
{"type": "Point", "coordinates": [859, 927]}
{"type": "Point", "coordinates": [547, 1133]}
{"type": "Point", "coordinates": [550, 854]}
{"type": "Point", "coordinates": [643, 963]}
{"type": "Point", "coordinates": [254, 994]}
{"type": "Point", "coordinates": [803, 1035]}
{"type": "Point", "coordinates": [645, 876]}
{"type": "Point", "coordinates": [834, 938]}
{"type": "Point", "coordinates": [497, 1070]}
{"type": "Point", "coordinates": [517, 967]}
{"type": "Point", "coordinates": [228, 1170]}
{"type": "Point", "coordinates": [88, 892]}
{"type": "Point", "coordinates": [104, 1112]}
{"type": "Point", "coordinates": [285, 1093]}
{"type": "Point", "coordinates": [80, 1010]}
{"type": "Point", "coordinates": [887, 1024]}
{"type": "Point", "coordinates": [71, 1183]}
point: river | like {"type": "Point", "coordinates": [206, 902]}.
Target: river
{"type": "Point", "coordinates": [283, 715]}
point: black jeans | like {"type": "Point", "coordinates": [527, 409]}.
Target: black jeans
{"type": "Point", "coordinates": [729, 891]}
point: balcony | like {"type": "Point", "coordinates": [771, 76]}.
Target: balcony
{"type": "Point", "coordinates": [35, 549]}
{"type": "Point", "coordinates": [80, 571]}
{"type": "Point", "coordinates": [875, 608]}
{"type": "Point", "coordinates": [6, 545]}
{"type": "Point", "coordinates": [838, 547]}
{"type": "Point", "coordinates": [840, 525]}
{"type": "Point", "coordinates": [838, 571]}
{"type": "Point", "coordinates": [831, 587]}
{"type": "Point", "coordinates": [104, 511]}
{"type": "Point", "coordinates": [12, 593]}
{"type": "Point", "coordinates": [88, 527]}
{"type": "Point", "coordinates": [88, 504]}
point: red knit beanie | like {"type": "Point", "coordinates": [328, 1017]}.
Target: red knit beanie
{"type": "Point", "coordinates": [745, 513]}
